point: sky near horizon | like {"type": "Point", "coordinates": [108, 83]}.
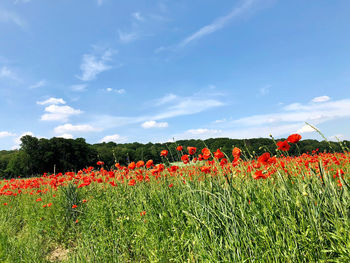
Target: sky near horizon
{"type": "Point", "coordinates": [158, 70]}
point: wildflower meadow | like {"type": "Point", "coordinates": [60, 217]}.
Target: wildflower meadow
{"type": "Point", "coordinates": [208, 207]}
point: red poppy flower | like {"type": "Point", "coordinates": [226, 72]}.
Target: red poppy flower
{"type": "Point", "coordinates": [191, 150]}
{"type": "Point", "coordinates": [264, 158]}
{"type": "Point", "coordinates": [259, 175]}
{"type": "Point", "coordinates": [294, 138]}
{"type": "Point", "coordinates": [132, 182]}
{"type": "Point", "coordinates": [132, 166]}
{"type": "Point", "coordinates": [140, 164]}
{"type": "Point", "coordinates": [149, 163]}
{"type": "Point", "coordinates": [74, 206]}
{"type": "Point", "coordinates": [100, 163]}
{"type": "Point", "coordinates": [205, 169]}
{"type": "Point", "coordinates": [179, 148]}
{"type": "Point", "coordinates": [236, 153]}
{"type": "Point", "coordinates": [171, 185]}
{"type": "Point", "coordinates": [142, 213]}
{"type": "Point", "coordinates": [283, 145]}
{"type": "Point", "coordinates": [164, 153]}
{"type": "Point", "coordinates": [219, 154]}
{"type": "Point", "coordinates": [206, 153]}
{"type": "Point", "coordinates": [223, 161]}
{"type": "Point", "coordinates": [185, 159]}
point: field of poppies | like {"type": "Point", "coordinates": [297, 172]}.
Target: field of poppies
{"type": "Point", "coordinates": [211, 206]}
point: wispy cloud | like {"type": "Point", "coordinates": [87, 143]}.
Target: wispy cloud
{"type": "Point", "coordinates": [265, 90]}
{"type": "Point", "coordinates": [5, 72]}
{"type": "Point", "coordinates": [321, 99]}
{"type": "Point", "coordinates": [10, 17]}
{"type": "Point", "coordinates": [166, 99]}
{"type": "Point", "coordinates": [79, 87]}
{"type": "Point", "coordinates": [289, 119]}
{"type": "Point", "coordinates": [127, 37]}
{"type": "Point", "coordinates": [169, 107]}
{"type": "Point", "coordinates": [39, 84]}
{"type": "Point", "coordinates": [219, 23]}
{"type": "Point", "coordinates": [138, 16]}
{"type": "Point", "coordinates": [92, 65]}
{"type": "Point", "coordinates": [4, 134]}
{"type": "Point", "coordinates": [68, 128]}
{"type": "Point", "coordinates": [188, 106]}
{"type": "Point", "coordinates": [51, 101]}
{"type": "Point", "coordinates": [99, 2]}
{"type": "Point", "coordinates": [154, 124]}
{"type": "Point", "coordinates": [297, 112]}
{"type": "Point", "coordinates": [118, 91]}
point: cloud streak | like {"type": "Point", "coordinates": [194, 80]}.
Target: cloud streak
{"type": "Point", "coordinates": [10, 17]}
{"type": "Point", "coordinates": [92, 65]}
{"type": "Point", "coordinates": [219, 23]}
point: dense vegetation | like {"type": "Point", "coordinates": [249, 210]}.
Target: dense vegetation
{"type": "Point", "coordinates": [212, 208]}
{"type": "Point", "coordinates": [37, 156]}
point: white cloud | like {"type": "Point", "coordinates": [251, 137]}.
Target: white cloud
{"type": "Point", "coordinates": [113, 138]}
{"type": "Point", "coordinates": [51, 101]}
{"type": "Point", "coordinates": [265, 90]}
{"type": "Point", "coordinates": [305, 129]}
{"type": "Point", "coordinates": [10, 17]}
{"type": "Point", "coordinates": [321, 99]}
{"type": "Point", "coordinates": [5, 72]}
{"type": "Point", "coordinates": [119, 91]}
{"type": "Point", "coordinates": [17, 140]}
{"type": "Point", "coordinates": [337, 137]}
{"type": "Point", "coordinates": [67, 128]}
{"type": "Point", "coordinates": [219, 23]}
{"type": "Point", "coordinates": [174, 108]}
{"type": "Point", "coordinates": [188, 106]}
{"type": "Point", "coordinates": [167, 98]}
{"type": "Point", "coordinates": [92, 65]}
{"type": "Point", "coordinates": [39, 84]}
{"type": "Point", "coordinates": [127, 37]}
{"type": "Point", "coordinates": [297, 112]}
{"type": "Point", "coordinates": [78, 87]}
{"type": "Point", "coordinates": [65, 136]}
{"type": "Point", "coordinates": [138, 16]}
{"type": "Point", "coordinates": [220, 121]}
{"type": "Point", "coordinates": [154, 124]}
{"type": "Point", "coordinates": [4, 134]}
{"type": "Point", "coordinates": [59, 113]}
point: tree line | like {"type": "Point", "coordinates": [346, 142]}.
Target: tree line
{"type": "Point", "coordinates": [38, 156]}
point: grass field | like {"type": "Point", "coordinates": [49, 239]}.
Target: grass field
{"type": "Point", "coordinates": [214, 208]}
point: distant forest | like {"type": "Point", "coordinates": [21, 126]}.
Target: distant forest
{"type": "Point", "coordinates": [38, 156]}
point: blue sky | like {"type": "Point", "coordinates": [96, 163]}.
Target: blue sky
{"type": "Point", "coordinates": [146, 70]}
